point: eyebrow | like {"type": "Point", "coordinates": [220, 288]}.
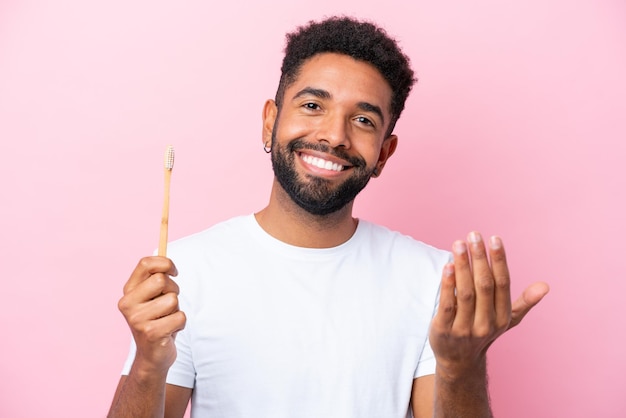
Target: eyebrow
{"type": "Point", "coordinates": [368, 107]}
{"type": "Point", "coordinates": [319, 93]}
{"type": "Point", "coordinates": [324, 94]}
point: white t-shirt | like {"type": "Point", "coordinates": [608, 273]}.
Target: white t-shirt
{"type": "Point", "coordinates": [280, 331]}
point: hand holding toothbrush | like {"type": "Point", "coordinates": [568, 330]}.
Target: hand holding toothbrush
{"type": "Point", "coordinates": [150, 301]}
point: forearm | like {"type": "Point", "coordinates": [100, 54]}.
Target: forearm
{"type": "Point", "coordinates": [139, 395]}
{"type": "Point", "coordinates": [462, 396]}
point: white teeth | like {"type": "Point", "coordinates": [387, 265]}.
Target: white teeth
{"type": "Point", "coordinates": [318, 162]}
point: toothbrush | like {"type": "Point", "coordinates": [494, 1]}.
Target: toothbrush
{"type": "Point", "coordinates": [169, 165]}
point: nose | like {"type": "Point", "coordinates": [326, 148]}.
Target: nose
{"type": "Point", "coordinates": [334, 129]}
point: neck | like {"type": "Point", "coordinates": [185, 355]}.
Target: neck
{"type": "Point", "coordinates": [283, 219]}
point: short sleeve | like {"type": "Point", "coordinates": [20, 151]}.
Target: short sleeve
{"type": "Point", "coordinates": [427, 361]}
{"type": "Point", "coordinates": [182, 372]}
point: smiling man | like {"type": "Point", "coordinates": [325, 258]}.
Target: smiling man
{"type": "Point", "coordinates": [302, 310]}
{"type": "Point", "coordinates": [328, 138]}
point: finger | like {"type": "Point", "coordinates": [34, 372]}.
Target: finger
{"type": "Point", "coordinates": [164, 305]}
{"type": "Point", "coordinates": [164, 327]}
{"type": "Point", "coordinates": [147, 311]}
{"type": "Point", "coordinates": [151, 288]}
{"type": "Point", "coordinates": [502, 280]}
{"type": "Point", "coordinates": [447, 300]}
{"type": "Point", "coordinates": [483, 284]}
{"type": "Point", "coordinates": [531, 296]}
{"type": "Point", "coordinates": [148, 266]}
{"type": "Point", "coordinates": [465, 296]}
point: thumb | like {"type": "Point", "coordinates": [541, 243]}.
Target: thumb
{"type": "Point", "coordinates": [531, 296]}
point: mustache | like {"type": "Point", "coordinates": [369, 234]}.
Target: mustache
{"type": "Point", "coordinates": [299, 144]}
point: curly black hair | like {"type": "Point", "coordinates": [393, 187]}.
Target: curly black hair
{"type": "Point", "coordinates": [361, 40]}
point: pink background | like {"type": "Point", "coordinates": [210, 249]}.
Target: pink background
{"type": "Point", "coordinates": [517, 128]}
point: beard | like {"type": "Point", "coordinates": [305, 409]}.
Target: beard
{"type": "Point", "coordinates": [317, 195]}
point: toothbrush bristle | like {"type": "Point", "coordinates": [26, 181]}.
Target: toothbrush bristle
{"type": "Point", "coordinates": [169, 158]}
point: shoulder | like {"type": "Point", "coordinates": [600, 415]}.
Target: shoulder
{"type": "Point", "coordinates": [407, 264]}
{"type": "Point", "coordinates": [225, 236]}
{"type": "Point", "coordinates": [401, 256]}
{"type": "Point", "coordinates": [383, 239]}
{"type": "Point", "coordinates": [231, 228]}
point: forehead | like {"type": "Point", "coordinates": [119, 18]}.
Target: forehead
{"type": "Point", "coordinates": [344, 77]}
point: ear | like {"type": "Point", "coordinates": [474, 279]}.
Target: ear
{"type": "Point", "coordinates": [386, 150]}
{"type": "Point", "coordinates": [269, 117]}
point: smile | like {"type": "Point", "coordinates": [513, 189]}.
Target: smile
{"type": "Point", "coordinates": [321, 163]}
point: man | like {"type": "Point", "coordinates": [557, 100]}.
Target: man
{"type": "Point", "coordinates": [301, 310]}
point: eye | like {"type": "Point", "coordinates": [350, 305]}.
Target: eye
{"type": "Point", "coordinates": [311, 106]}
{"type": "Point", "coordinates": [365, 121]}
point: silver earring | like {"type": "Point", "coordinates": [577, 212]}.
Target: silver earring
{"type": "Point", "coordinates": [267, 148]}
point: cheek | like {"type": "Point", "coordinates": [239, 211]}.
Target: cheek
{"type": "Point", "coordinates": [369, 149]}
{"type": "Point", "coordinates": [289, 128]}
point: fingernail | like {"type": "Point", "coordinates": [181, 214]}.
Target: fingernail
{"type": "Point", "coordinates": [459, 247]}
{"type": "Point", "coordinates": [495, 243]}
{"type": "Point", "coordinates": [448, 270]}
{"type": "Point", "coordinates": [474, 237]}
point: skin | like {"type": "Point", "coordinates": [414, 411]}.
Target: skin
{"type": "Point", "coordinates": [338, 121]}
{"type": "Point", "coordinates": [150, 306]}
{"type": "Point", "coordinates": [325, 105]}
{"type": "Point", "coordinates": [474, 310]}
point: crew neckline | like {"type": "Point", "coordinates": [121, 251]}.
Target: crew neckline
{"type": "Point", "coordinates": [267, 240]}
